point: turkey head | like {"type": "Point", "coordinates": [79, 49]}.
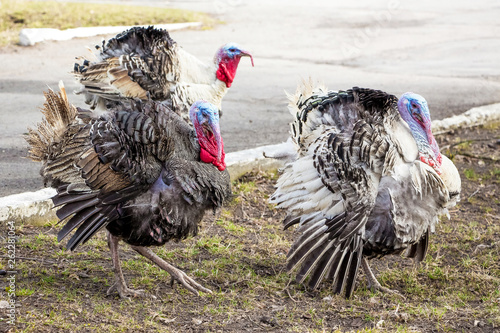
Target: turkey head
{"type": "Point", "coordinates": [205, 118]}
{"type": "Point", "coordinates": [414, 110]}
{"type": "Point", "coordinates": [228, 57]}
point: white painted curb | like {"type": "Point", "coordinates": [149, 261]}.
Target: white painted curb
{"type": "Point", "coordinates": [474, 117]}
{"type": "Point", "coordinates": [36, 207]}
{"type": "Point", "coordinates": [28, 207]}
{"type": "Point", "coordinates": [28, 37]}
{"type": "Point", "coordinates": [243, 161]}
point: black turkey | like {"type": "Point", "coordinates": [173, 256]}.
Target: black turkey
{"type": "Point", "coordinates": [142, 173]}
{"type": "Point", "coordinates": [365, 179]}
{"type": "Point", "coordinates": [146, 62]}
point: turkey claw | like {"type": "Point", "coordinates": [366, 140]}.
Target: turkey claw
{"type": "Point", "coordinates": [188, 283]}
{"type": "Point", "coordinates": [175, 273]}
{"type": "Point", "coordinates": [373, 284]}
{"type": "Point", "coordinates": [386, 290]}
{"type": "Point", "coordinates": [125, 292]}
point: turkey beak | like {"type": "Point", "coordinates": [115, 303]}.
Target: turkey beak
{"type": "Point", "coordinates": [247, 54]}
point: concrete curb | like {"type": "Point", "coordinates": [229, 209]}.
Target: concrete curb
{"type": "Point", "coordinates": [29, 37]}
{"type": "Point", "coordinates": [35, 208]}
{"type": "Point", "coordinates": [474, 117]}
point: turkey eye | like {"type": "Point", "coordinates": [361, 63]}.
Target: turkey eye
{"type": "Point", "coordinates": [413, 105]}
{"type": "Point", "coordinates": [232, 50]}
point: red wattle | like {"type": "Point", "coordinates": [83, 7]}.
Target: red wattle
{"type": "Point", "coordinates": [227, 71]}
{"type": "Point", "coordinates": [221, 166]}
{"type": "Point", "coordinates": [206, 157]}
{"type": "Point", "coordinates": [222, 76]}
{"type": "Point", "coordinates": [440, 159]}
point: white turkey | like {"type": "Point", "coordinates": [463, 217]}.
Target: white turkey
{"type": "Point", "coordinates": [146, 63]}
{"type": "Point", "coordinates": [365, 179]}
{"type": "Point", "coordinates": [142, 173]}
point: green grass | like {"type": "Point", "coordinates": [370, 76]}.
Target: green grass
{"type": "Point", "coordinates": [18, 14]}
{"type": "Point", "coordinates": [244, 187]}
{"type": "Point", "coordinates": [470, 174]}
{"type": "Point", "coordinates": [490, 176]}
{"type": "Point", "coordinates": [231, 227]}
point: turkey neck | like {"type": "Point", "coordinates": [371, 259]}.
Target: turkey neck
{"type": "Point", "coordinates": [192, 70]}
{"type": "Point", "coordinates": [219, 91]}
{"type": "Point", "coordinates": [426, 143]}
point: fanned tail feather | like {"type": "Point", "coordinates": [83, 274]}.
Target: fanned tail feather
{"type": "Point", "coordinates": [58, 114]}
{"type": "Point", "coordinates": [304, 91]}
{"type": "Point", "coordinates": [134, 64]}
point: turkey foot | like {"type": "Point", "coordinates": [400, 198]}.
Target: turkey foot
{"type": "Point", "coordinates": [373, 284]}
{"type": "Point", "coordinates": [124, 291]}
{"type": "Point", "coordinates": [176, 274]}
{"type": "Point", "coordinates": [120, 285]}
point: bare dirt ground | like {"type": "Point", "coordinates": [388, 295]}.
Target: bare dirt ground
{"type": "Point", "coordinates": [240, 255]}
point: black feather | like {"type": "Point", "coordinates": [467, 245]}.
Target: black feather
{"type": "Point", "coordinates": [341, 277]}
{"type": "Point", "coordinates": [75, 206]}
{"type": "Point", "coordinates": [352, 272]}
{"type": "Point", "coordinates": [62, 199]}
{"type": "Point", "coordinates": [95, 221]}
{"type": "Point", "coordinates": [289, 221]}
{"type": "Point", "coordinates": [422, 247]}
{"type": "Point", "coordinates": [75, 221]}
{"type": "Point", "coordinates": [322, 267]}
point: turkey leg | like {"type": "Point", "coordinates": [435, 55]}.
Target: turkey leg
{"type": "Point", "coordinates": [373, 284]}
{"type": "Point", "coordinates": [176, 274]}
{"type": "Point", "coordinates": [119, 284]}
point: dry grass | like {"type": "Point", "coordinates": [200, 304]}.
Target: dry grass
{"type": "Point", "coordinates": [18, 14]}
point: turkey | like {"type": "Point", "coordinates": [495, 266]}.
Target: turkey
{"type": "Point", "coordinates": [146, 62]}
{"type": "Point", "coordinates": [142, 173]}
{"type": "Point", "coordinates": [365, 179]}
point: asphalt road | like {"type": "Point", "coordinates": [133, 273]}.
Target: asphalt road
{"type": "Point", "coordinates": [447, 51]}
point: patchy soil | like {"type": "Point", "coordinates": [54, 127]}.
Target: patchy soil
{"type": "Point", "coordinates": [240, 255]}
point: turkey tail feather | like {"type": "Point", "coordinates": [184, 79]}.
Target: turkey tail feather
{"type": "Point", "coordinates": [75, 221]}
{"type": "Point", "coordinates": [89, 215]}
{"type": "Point", "coordinates": [58, 114]}
{"type": "Point", "coordinates": [418, 250]}
{"type": "Point", "coordinates": [422, 250]}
